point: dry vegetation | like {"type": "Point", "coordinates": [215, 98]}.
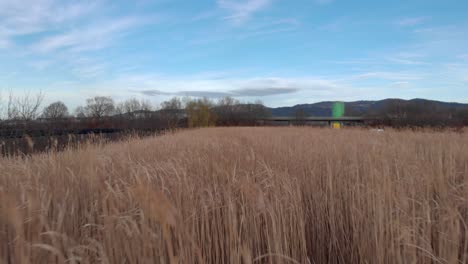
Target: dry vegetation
{"type": "Point", "coordinates": [242, 195]}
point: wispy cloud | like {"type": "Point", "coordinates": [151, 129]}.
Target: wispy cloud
{"type": "Point", "coordinates": [4, 42]}
{"type": "Point", "coordinates": [343, 23]}
{"type": "Point", "coordinates": [267, 31]}
{"type": "Point", "coordinates": [261, 91]}
{"type": "Point", "coordinates": [242, 11]}
{"type": "Point", "coordinates": [457, 71]}
{"type": "Point", "coordinates": [259, 87]}
{"type": "Point", "coordinates": [401, 84]}
{"type": "Point", "coordinates": [62, 24]}
{"type": "Point", "coordinates": [41, 64]}
{"type": "Point", "coordinates": [392, 76]}
{"type": "Point", "coordinates": [335, 25]}
{"type": "Point", "coordinates": [204, 15]}
{"type": "Point", "coordinates": [257, 29]}
{"type": "Point", "coordinates": [270, 88]}
{"type": "Point", "coordinates": [390, 59]}
{"type": "Point", "coordinates": [411, 21]}
{"type": "Point", "coordinates": [407, 58]}
{"type": "Point", "coordinates": [209, 94]}
{"type": "Point", "coordinates": [92, 37]}
{"type": "Point", "coordinates": [87, 68]}
{"type": "Point", "coordinates": [275, 23]}
{"type": "Point", "coordinates": [359, 61]}
{"type": "Point", "coordinates": [244, 92]}
{"type": "Point", "coordinates": [323, 2]}
{"type": "Point", "coordinates": [32, 16]}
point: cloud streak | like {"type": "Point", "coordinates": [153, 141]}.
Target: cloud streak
{"type": "Point", "coordinates": [243, 92]}
{"type": "Point", "coordinates": [93, 37]}
{"type": "Point", "coordinates": [268, 91]}
{"type": "Point", "coordinates": [243, 87]}
{"type": "Point", "coordinates": [240, 12]}
{"type": "Point", "coordinates": [62, 25]}
{"type": "Point", "coordinates": [391, 76]}
{"type": "Point", "coordinates": [411, 21]}
{"type": "Point", "coordinates": [25, 17]}
{"type": "Point", "coordinates": [323, 2]}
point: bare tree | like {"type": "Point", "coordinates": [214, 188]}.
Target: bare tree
{"type": "Point", "coordinates": [172, 111]}
{"type": "Point", "coordinates": [12, 110]}
{"type": "Point", "coordinates": [55, 110]}
{"type": "Point", "coordinates": [228, 101]}
{"type": "Point", "coordinates": [301, 115]}
{"type": "Point", "coordinates": [131, 106]}
{"type": "Point", "coordinates": [25, 107]}
{"type": "Point", "coordinates": [80, 112]}
{"type": "Point", "coordinates": [227, 111]}
{"type": "Point", "coordinates": [100, 106]}
{"type": "Point", "coordinates": [173, 104]}
{"type": "Point", "coordinates": [1, 106]}
{"type": "Point", "coordinates": [146, 105]}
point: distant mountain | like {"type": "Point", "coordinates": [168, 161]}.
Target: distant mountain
{"type": "Point", "coordinates": [362, 108]}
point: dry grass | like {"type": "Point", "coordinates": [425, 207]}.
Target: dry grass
{"type": "Point", "coordinates": [242, 195]}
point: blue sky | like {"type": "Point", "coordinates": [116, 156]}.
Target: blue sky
{"type": "Point", "coordinates": [282, 52]}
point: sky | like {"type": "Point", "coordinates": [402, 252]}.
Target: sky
{"type": "Point", "coordinates": [282, 52]}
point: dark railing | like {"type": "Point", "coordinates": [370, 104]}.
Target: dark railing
{"type": "Point", "coordinates": [319, 119]}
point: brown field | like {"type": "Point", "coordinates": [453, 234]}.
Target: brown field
{"type": "Point", "coordinates": [242, 195]}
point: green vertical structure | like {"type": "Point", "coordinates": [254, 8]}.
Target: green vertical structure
{"type": "Point", "coordinates": [338, 111]}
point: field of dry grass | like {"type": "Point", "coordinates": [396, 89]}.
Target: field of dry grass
{"type": "Point", "coordinates": [242, 195]}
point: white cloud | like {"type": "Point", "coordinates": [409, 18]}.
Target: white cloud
{"type": "Point", "coordinates": [4, 43]}
{"type": "Point", "coordinates": [241, 11]}
{"type": "Point", "coordinates": [411, 21]}
{"type": "Point", "coordinates": [204, 15]}
{"type": "Point", "coordinates": [66, 24]}
{"type": "Point", "coordinates": [387, 59]}
{"type": "Point", "coordinates": [86, 68]}
{"type": "Point", "coordinates": [272, 90]}
{"type": "Point", "coordinates": [401, 84]}
{"type": "Point", "coordinates": [259, 28]}
{"type": "Point", "coordinates": [458, 70]}
{"type": "Point", "coordinates": [336, 25]}
{"type": "Point", "coordinates": [272, 27]}
{"type": "Point", "coordinates": [404, 61]}
{"type": "Point", "coordinates": [93, 37]}
{"type": "Point", "coordinates": [33, 16]}
{"type": "Point", "coordinates": [392, 76]}
{"type": "Point", "coordinates": [278, 22]}
{"type": "Point", "coordinates": [41, 64]}
{"type": "Point", "coordinates": [323, 2]}
{"type": "Point", "coordinates": [407, 58]}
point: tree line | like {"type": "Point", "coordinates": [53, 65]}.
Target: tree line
{"type": "Point", "coordinates": [193, 112]}
{"type": "Point", "coordinates": [419, 113]}
{"type": "Point", "coordinates": [104, 111]}
{"type": "Point", "coordinates": [401, 113]}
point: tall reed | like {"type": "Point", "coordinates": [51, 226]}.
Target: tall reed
{"type": "Point", "coordinates": [241, 195]}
